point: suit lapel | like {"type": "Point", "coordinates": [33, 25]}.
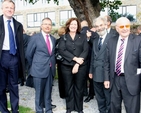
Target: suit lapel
{"type": "Point", "coordinates": [129, 46]}
{"type": "Point", "coordinates": [95, 47]}
{"type": "Point", "coordinates": [53, 44]}
{"type": "Point", "coordinates": [114, 47]}
{"type": "Point", "coordinates": [103, 45]}
{"type": "Point", "coordinates": [41, 38]}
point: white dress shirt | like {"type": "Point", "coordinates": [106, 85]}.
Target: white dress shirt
{"type": "Point", "coordinates": [6, 45]}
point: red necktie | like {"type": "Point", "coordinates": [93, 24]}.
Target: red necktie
{"type": "Point", "coordinates": [48, 44]}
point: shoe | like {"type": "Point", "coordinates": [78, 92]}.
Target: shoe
{"type": "Point", "coordinates": [88, 98]}
{"type": "Point", "coordinates": [53, 106]}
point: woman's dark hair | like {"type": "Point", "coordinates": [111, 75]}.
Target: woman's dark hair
{"type": "Point", "coordinates": [68, 24]}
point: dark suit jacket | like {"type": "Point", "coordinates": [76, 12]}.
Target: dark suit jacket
{"type": "Point", "coordinates": [131, 64]}
{"type": "Point", "coordinates": [38, 56]}
{"type": "Point", "coordinates": [18, 28]}
{"type": "Point", "coordinates": [113, 32]}
{"type": "Point", "coordinates": [71, 48]}
{"type": "Point", "coordinates": [93, 36]}
{"type": "Point", "coordinates": [98, 60]}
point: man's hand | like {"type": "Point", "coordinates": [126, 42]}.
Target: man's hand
{"type": "Point", "coordinates": [90, 75]}
{"type": "Point", "coordinates": [89, 34]}
{"type": "Point", "coordinates": [107, 84]}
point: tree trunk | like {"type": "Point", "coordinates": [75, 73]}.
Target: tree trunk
{"type": "Point", "coordinates": [86, 9]}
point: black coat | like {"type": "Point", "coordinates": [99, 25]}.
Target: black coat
{"type": "Point", "coordinates": [18, 28]}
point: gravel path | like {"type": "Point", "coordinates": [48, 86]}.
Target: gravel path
{"type": "Point", "coordinates": [27, 98]}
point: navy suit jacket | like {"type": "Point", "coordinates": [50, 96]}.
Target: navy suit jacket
{"type": "Point", "coordinates": [38, 56]}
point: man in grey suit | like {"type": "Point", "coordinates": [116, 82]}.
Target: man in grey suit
{"type": "Point", "coordinates": [97, 65]}
{"type": "Point", "coordinates": [41, 58]}
{"type": "Point", "coordinates": [122, 68]}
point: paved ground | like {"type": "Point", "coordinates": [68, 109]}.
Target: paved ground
{"type": "Point", "coordinates": [27, 98]}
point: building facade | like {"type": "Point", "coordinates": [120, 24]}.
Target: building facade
{"type": "Point", "coordinates": [31, 15]}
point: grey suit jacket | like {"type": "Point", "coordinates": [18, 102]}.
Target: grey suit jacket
{"type": "Point", "coordinates": [39, 58]}
{"type": "Point", "coordinates": [98, 59]}
{"type": "Point", "coordinates": [131, 63]}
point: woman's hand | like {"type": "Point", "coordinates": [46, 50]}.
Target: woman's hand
{"type": "Point", "coordinates": [78, 60]}
{"type": "Point", "coordinates": [75, 68]}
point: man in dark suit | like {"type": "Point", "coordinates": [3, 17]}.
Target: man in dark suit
{"type": "Point", "coordinates": [11, 57]}
{"type": "Point", "coordinates": [97, 65]}
{"type": "Point", "coordinates": [122, 68]}
{"type": "Point", "coordinates": [110, 30]}
{"type": "Point", "coordinates": [90, 37]}
{"type": "Point", "coordinates": [41, 58]}
{"type": "Point", "coordinates": [139, 30]}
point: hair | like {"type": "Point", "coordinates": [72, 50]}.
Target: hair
{"type": "Point", "coordinates": [99, 18]}
{"type": "Point", "coordinates": [68, 24]}
{"type": "Point", "coordinates": [61, 31]}
{"type": "Point", "coordinates": [84, 23]}
{"type": "Point", "coordinates": [10, 1]}
{"type": "Point", "coordinates": [139, 27]}
{"type": "Point", "coordinates": [108, 18]}
{"type": "Point", "coordinates": [47, 18]}
{"type": "Point", "coordinates": [120, 19]}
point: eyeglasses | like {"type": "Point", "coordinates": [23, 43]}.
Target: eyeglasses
{"type": "Point", "coordinates": [127, 26]}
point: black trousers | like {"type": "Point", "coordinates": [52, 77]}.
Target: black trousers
{"type": "Point", "coordinates": [74, 86]}
{"type": "Point", "coordinates": [120, 92]}
{"type": "Point", "coordinates": [9, 77]}
{"type": "Point", "coordinates": [61, 85]}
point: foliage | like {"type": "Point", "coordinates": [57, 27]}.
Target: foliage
{"type": "Point", "coordinates": [34, 1]}
{"type": "Point", "coordinates": [129, 16]}
{"type": "Point", "coordinates": [112, 6]}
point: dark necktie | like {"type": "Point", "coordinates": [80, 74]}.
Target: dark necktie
{"type": "Point", "coordinates": [100, 43]}
{"type": "Point", "coordinates": [11, 39]}
{"type": "Point", "coordinates": [48, 44]}
{"type": "Point", "coordinates": [119, 58]}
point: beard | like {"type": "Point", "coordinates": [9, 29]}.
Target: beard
{"type": "Point", "coordinates": [101, 32]}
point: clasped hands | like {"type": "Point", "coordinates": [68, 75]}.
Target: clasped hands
{"type": "Point", "coordinates": [78, 61]}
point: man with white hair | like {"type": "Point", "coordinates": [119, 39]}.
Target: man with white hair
{"type": "Point", "coordinates": [122, 68]}
{"type": "Point", "coordinates": [97, 65]}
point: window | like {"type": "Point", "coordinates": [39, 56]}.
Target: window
{"type": "Point", "coordinates": [126, 11]}
{"type": "Point", "coordinates": [34, 20]}
{"type": "Point", "coordinates": [65, 15]}
{"type": "Point", "coordinates": [19, 18]}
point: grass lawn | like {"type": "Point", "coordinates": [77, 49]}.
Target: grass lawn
{"type": "Point", "coordinates": [22, 109]}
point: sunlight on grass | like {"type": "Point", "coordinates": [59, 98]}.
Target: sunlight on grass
{"type": "Point", "coordinates": [23, 109]}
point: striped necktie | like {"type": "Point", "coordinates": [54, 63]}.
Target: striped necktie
{"type": "Point", "coordinates": [119, 58]}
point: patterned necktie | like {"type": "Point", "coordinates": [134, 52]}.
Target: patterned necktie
{"type": "Point", "coordinates": [11, 39]}
{"type": "Point", "coordinates": [119, 58]}
{"type": "Point", "coordinates": [100, 43]}
{"type": "Point", "coordinates": [48, 44]}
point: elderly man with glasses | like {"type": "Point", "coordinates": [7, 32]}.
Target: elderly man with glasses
{"type": "Point", "coordinates": [122, 68]}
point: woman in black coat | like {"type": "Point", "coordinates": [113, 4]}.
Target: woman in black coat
{"type": "Point", "coordinates": [74, 50]}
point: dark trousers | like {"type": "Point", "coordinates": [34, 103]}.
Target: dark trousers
{"type": "Point", "coordinates": [120, 92]}
{"type": "Point", "coordinates": [103, 97]}
{"type": "Point", "coordinates": [74, 86]}
{"type": "Point", "coordinates": [61, 85]}
{"type": "Point", "coordinates": [9, 77]}
{"type": "Point", "coordinates": [43, 88]}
